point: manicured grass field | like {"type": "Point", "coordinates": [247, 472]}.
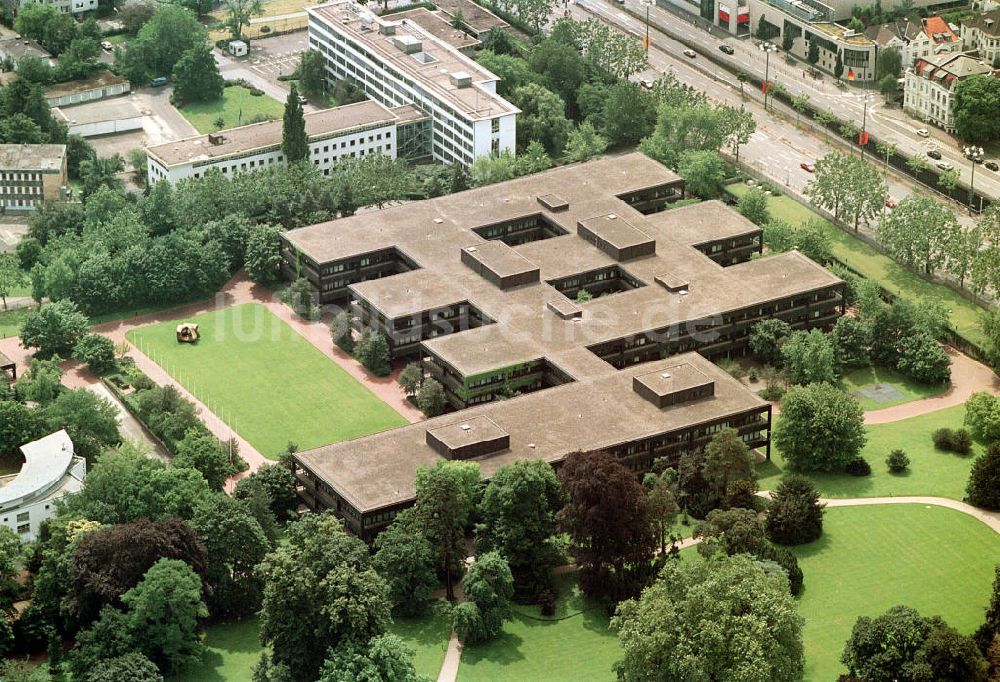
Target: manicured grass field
{"type": "Point", "coordinates": [11, 321]}
{"type": "Point", "coordinates": [428, 637]}
{"type": "Point", "coordinates": [938, 561]}
{"type": "Point", "coordinates": [931, 472]}
{"type": "Point", "coordinates": [964, 315]}
{"type": "Point", "coordinates": [870, 376]}
{"type": "Point", "coordinates": [233, 650]}
{"type": "Point", "coordinates": [266, 381]}
{"type": "Point", "coordinates": [580, 647]}
{"type": "Point", "coordinates": [237, 106]}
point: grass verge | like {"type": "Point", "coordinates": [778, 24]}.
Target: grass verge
{"type": "Point", "coordinates": [869, 377]}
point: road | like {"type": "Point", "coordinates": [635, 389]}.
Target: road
{"type": "Point", "coordinates": [778, 147]}
{"type": "Point", "coordinates": [883, 122]}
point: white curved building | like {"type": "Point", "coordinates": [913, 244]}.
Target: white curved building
{"type": "Point", "coordinates": [51, 471]}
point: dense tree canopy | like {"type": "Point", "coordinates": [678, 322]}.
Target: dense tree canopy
{"type": "Point", "coordinates": [160, 43]}
{"type": "Point", "coordinates": [977, 99]}
{"type": "Point", "coordinates": [821, 428]}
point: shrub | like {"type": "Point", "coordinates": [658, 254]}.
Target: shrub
{"type": "Point", "coordinates": [897, 461]}
{"type": "Point", "coordinates": [98, 352]}
{"type": "Point", "coordinates": [547, 602]}
{"type": "Point", "coordinates": [962, 442]}
{"type": "Point", "coordinates": [372, 351]}
{"type": "Point", "coordinates": [772, 393]}
{"type": "Point", "coordinates": [752, 375]}
{"type": "Point", "coordinates": [256, 92]}
{"type": "Point", "coordinates": [859, 467]}
{"type": "Point", "coordinates": [983, 488]}
{"type": "Point", "coordinates": [943, 439]}
{"type": "Point", "coordinates": [795, 516]}
{"type": "Point", "coordinates": [982, 416]}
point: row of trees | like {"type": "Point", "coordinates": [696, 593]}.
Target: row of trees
{"type": "Point", "coordinates": [77, 45]}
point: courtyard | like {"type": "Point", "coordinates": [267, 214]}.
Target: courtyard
{"type": "Point", "coordinates": [266, 381]}
{"type": "Point", "coordinates": [236, 107]}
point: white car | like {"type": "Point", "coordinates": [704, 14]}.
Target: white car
{"type": "Point", "coordinates": [106, 46]}
{"type": "Point", "coordinates": [944, 165]}
{"type": "Point", "coordinates": [690, 54]}
{"type": "Point", "coordinates": [923, 132]}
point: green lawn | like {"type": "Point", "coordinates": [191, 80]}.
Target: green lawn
{"type": "Point", "coordinates": [964, 314]}
{"type": "Point", "coordinates": [428, 637]}
{"type": "Point", "coordinates": [931, 472]}
{"type": "Point", "coordinates": [236, 107]}
{"type": "Point", "coordinates": [233, 650]}
{"type": "Point", "coordinates": [11, 321]}
{"type": "Point", "coordinates": [579, 647]}
{"type": "Point", "coordinates": [938, 561]}
{"type": "Point", "coordinates": [270, 384]}
{"type": "Point", "coordinates": [868, 377]}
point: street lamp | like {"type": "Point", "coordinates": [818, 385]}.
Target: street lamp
{"type": "Point", "coordinates": [648, 4]}
{"type": "Point", "coordinates": [974, 154]}
{"type": "Point", "coordinates": [767, 48]}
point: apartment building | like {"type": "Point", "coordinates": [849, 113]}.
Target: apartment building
{"type": "Point", "coordinates": [536, 282]}
{"type": "Point", "coordinates": [929, 89]}
{"type": "Point", "coordinates": [397, 63]}
{"type": "Point", "coordinates": [14, 46]}
{"type": "Point", "coordinates": [31, 174]}
{"type": "Point", "coordinates": [982, 35]}
{"type": "Point", "coordinates": [350, 131]}
{"type": "Point", "coordinates": [64, 6]}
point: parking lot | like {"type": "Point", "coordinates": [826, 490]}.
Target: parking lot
{"type": "Point", "coordinates": [273, 57]}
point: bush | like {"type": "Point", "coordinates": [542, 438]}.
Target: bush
{"type": "Point", "coordinates": [256, 92]}
{"type": "Point", "coordinates": [982, 416]}
{"type": "Point", "coordinates": [859, 467]}
{"type": "Point", "coordinates": [983, 488]}
{"type": "Point", "coordinates": [943, 439]}
{"type": "Point", "coordinates": [547, 602]}
{"type": "Point", "coordinates": [98, 352]}
{"type": "Point", "coordinates": [962, 442]}
{"type": "Point", "coordinates": [897, 461]}
{"type": "Point", "coordinates": [772, 393]}
{"type": "Point", "coordinates": [795, 516]}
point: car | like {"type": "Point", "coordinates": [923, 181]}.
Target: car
{"type": "Point", "coordinates": [690, 54]}
{"type": "Point", "coordinates": [728, 49]}
{"type": "Point", "coordinates": [106, 46]}
{"type": "Point", "coordinates": [303, 100]}
{"type": "Point", "coordinates": [923, 132]}
{"type": "Point", "coordinates": [890, 203]}
{"type": "Point", "coordinates": [934, 154]}
{"type": "Point", "coordinates": [646, 83]}
{"type": "Point", "coordinates": [992, 165]}
{"type": "Point", "coordinates": [159, 81]}
{"type": "Point", "coordinates": [807, 167]}
{"type": "Point", "coordinates": [944, 165]}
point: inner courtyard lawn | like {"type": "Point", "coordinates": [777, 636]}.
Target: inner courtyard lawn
{"type": "Point", "coordinates": [236, 107]}
{"type": "Point", "coordinates": [266, 381]}
{"type": "Point", "coordinates": [869, 377]}
{"type": "Point", "coordinates": [938, 561]}
{"type": "Point", "coordinates": [427, 636]}
{"type": "Point", "coordinates": [581, 646]}
{"type": "Point", "coordinates": [931, 472]}
{"type": "Point", "coordinates": [232, 651]}
{"type": "Point", "coordinates": [963, 313]}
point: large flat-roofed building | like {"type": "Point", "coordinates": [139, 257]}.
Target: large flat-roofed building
{"type": "Point", "coordinates": [553, 278]}
{"type": "Point", "coordinates": [657, 409]}
{"type": "Point", "coordinates": [100, 117]}
{"type": "Point", "coordinates": [397, 62]}
{"type": "Point", "coordinates": [350, 131]}
{"type": "Point", "coordinates": [51, 471]}
{"type": "Point", "coordinates": [31, 174]}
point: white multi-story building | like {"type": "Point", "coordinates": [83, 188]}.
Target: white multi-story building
{"type": "Point", "coordinates": [64, 6]}
{"type": "Point", "coordinates": [929, 89]}
{"type": "Point", "coordinates": [51, 472]}
{"type": "Point", "coordinates": [982, 34]}
{"type": "Point", "coordinates": [350, 131]}
{"type": "Point", "coordinates": [397, 63]}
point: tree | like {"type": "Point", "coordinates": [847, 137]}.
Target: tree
{"type": "Point", "coordinates": [963, 251]}
{"type": "Point", "coordinates": [799, 103]}
{"type": "Point", "coordinates": [411, 378]}
{"type": "Point", "coordinates": [886, 149]}
{"type": "Point", "coordinates": [235, 544]}
{"type": "Point", "coordinates": [738, 125]}
{"type": "Point", "coordinates": [606, 518]}
{"type": "Point", "coordinates": [809, 357]}
{"type": "Point", "coordinates": [488, 587]}
{"type": "Point", "coordinates": [983, 488]}
{"type": "Point", "coordinates": [584, 143]}
{"type": "Point", "coordinates": [728, 460]}
{"type": "Point", "coordinates": [108, 638]}
{"type": "Point", "coordinates": [753, 206]}
{"type": "Point", "coordinates": [202, 451]}
{"type": "Point", "coordinates": [609, 50]}
{"type": "Point", "coordinates": [239, 13]}
{"type": "Point", "coordinates": [312, 73]}
{"type": "Point", "coordinates": [11, 276]}
{"type": "Point", "coordinates": [130, 667]}
{"type": "Point", "coordinates": [730, 618]}
{"type": "Point", "coordinates": [628, 113]}
{"type": "Point", "coordinates": [976, 101]}
{"type": "Point", "coordinates": [263, 254]}
{"type": "Point", "coordinates": [843, 182]}
{"type": "Point", "coordinates": [918, 232]}
{"type": "Point", "coordinates": [372, 351]}
{"type": "Point", "coordinates": [779, 236]}
{"type": "Point", "coordinates": [54, 328]}
{"type": "Point", "coordinates": [320, 590]}
{"type": "Point", "coordinates": [518, 512]}
{"type": "Point", "coordinates": [100, 172]}
{"type": "Point", "coordinates": [196, 76]}
{"type": "Point", "coordinates": [384, 657]}
{"type": "Point", "coordinates": [850, 338]}
{"type": "Point", "coordinates": [170, 32]}
{"type": "Point", "coordinates": [821, 428]}
{"type": "Point", "coordinates": [795, 515]}
{"type": "Point", "coordinates": [766, 338]}
{"type": "Point", "coordinates": [661, 498]}
{"type": "Point", "coordinates": [294, 141]}
{"type": "Point", "coordinates": [897, 461]}
{"type": "Point", "coordinates": [560, 66]}
{"type": "Point", "coordinates": [440, 513]}
{"type": "Point", "coordinates": [948, 179]}
{"type": "Point", "coordinates": [534, 159]}
{"type": "Point", "coordinates": [542, 118]}
{"type": "Point", "coordinates": [278, 484]}
{"type": "Point", "coordinates": [487, 170]}
{"type": "Point", "coordinates": [703, 172]}
{"type": "Point", "coordinates": [406, 561]}
{"type": "Point", "coordinates": [431, 398]}
{"type": "Point", "coordinates": [923, 359]}
{"type": "Point", "coordinates": [90, 420]}
{"type": "Point", "coordinates": [812, 56]}
{"type": "Point", "coordinates": [98, 352]}
{"type": "Point", "coordinates": [164, 614]}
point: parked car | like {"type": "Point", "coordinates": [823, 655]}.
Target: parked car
{"type": "Point", "coordinates": [807, 167]}
{"type": "Point", "coordinates": [159, 81]}
{"type": "Point", "coordinates": [992, 165]}
{"type": "Point", "coordinates": [646, 83]}
{"type": "Point", "coordinates": [934, 154]}
{"type": "Point", "coordinates": [944, 165]}
{"type": "Point", "coordinates": [728, 49]}
{"type": "Point", "coordinates": [106, 46]}
{"type": "Point", "coordinates": [690, 54]}
{"type": "Point", "coordinates": [923, 132]}
{"type": "Point", "coordinates": [890, 203]}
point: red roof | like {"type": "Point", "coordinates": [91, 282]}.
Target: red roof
{"type": "Point", "coordinates": [937, 26]}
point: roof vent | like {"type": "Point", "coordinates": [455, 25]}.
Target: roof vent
{"type": "Point", "coordinates": [665, 375]}
{"type": "Point", "coordinates": [466, 427]}
{"type": "Point", "coordinates": [460, 79]}
{"type": "Point", "coordinates": [216, 138]}
{"type": "Point", "coordinates": [438, 221]}
{"type": "Point", "coordinates": [387, 29]}
{"type": "Point", "coordinates": [472, 249]}
{"type": "Point", "coordinates": [612, 216]}
{"type": "Point", "coordinates": [407, 44]}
